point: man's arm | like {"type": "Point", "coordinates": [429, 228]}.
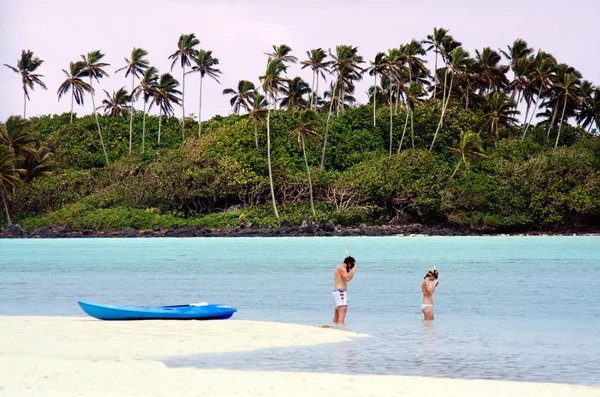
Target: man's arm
{"type": "Point", "coordinates": [347, 276]}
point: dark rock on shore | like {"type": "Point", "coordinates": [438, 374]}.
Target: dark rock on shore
{"type": "Point", "coordinates": [308, 228]}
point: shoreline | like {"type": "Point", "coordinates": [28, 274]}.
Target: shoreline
{"type": "Point", "coordinates": [326, 229]}
{"type": "Point", "coordinates": [84, 357]}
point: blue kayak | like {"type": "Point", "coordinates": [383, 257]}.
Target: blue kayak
{"type": "Point", "coordinates": [202, 311]}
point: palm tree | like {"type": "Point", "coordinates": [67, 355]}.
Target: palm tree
{"type": "Point", "coordinates": [272, 83]}
{"type": "Point", "coordinates": [316, 61]}
{"type": "Point", "coordinates": [26, 66]}
{"type": "Point", "coordinates": [567, 90]}
{"type": "Point", "coordinates": [241, 98]}
{"type": "Point", "coordinates": [293, 92]}
{"type": "Point", "coordinates": [147, 89]}
{"type": "Point", "coordinates": [74, 84]}
{"type": "Point", "coordinates": [590, 110]}
{"type": "Point", "coordinates": [378, 66]}
{"type": "Point", "coordinates": [491, 73]}
{"type": "Point", "coordinates": [435, 44]}
{"type": "Point", "coordinates": [282, 52]}
{"type": "Point", "coordinates": [9, 177]}
{"type": "Point", "coordinates": [17, 138]}
{"type": "Point", "coordinates": [500, 110]}
{"type": "Point", "coordinates": [165, 95]}
{"type": "Point", "coordinates": [307, 126]}
{"type": "Point", "coordinates": [345, 66]}
{"type": "Point", "coordinates": [519, 50]}
{"type": "Point", "coordinates": [456, 61]}
{"type": "Point", "coordinates": [117, 103]}
{"type": "Point", "coordinates": [205, 65]}
{"type": "Point", "coordinates": [543, 70]}
{"type": "Point", "coordinates": [92, 67]}
{"type": "Point", "coordinates": [414, 96]}
{"type": "Point", "coordinates": [257, 112]}
{"type": "Point", "coordinates": [185, 54]}
{"type": "Point", "coordinates": [136, 67]}
{"type": "Point", "coordinates": [469, 148]}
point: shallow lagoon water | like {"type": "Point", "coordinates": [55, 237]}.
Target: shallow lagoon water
{"type": "Point", "coordinates": [514, 308]}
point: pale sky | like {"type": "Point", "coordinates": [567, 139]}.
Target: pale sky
{"type": "Point", "coordinates": [240, 32]}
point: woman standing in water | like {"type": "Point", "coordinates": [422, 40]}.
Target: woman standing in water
{"type": "Point", "coordinates": [428, 286]}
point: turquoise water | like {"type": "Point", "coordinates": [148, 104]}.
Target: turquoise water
{"type": "Point", "coordinates": [515, 308]}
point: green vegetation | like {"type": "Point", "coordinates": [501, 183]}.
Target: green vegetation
{"type": "Point", "coordinates": [440, 148]}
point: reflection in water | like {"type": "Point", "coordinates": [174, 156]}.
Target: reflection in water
{"type": "Point", "coordinates": [426, 348]}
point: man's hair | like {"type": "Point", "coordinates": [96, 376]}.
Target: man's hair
{"type": "Point", "coordinates": [349, 260]}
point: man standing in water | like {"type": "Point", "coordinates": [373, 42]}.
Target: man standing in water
{"type": "Point", "coordinates": [342, 274]}
{"type": "Point", "coordinates": [428, 286]}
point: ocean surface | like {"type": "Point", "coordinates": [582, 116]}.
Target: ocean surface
{"type": "Point", "coordinates": [512, 308]}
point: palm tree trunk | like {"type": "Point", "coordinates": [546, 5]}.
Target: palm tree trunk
{"type": "Point", "coordinates": [467, 102]}
{"type": "Point", "coordinates": [456, 168]}
{"type": "Point", "coordinates": [435, 73]}
{"type": "Point", "coordinates": [98, 123]}
{"type": "Point", "coordinates": [562, 121]}
{"type": "Point", "coordinates": [131, 116]}
{"type": "Point", "coordinates": [310, 187]}
{"type": "Point", "coordinates": [144, 129]}
{"type": "Point", "coordinates": [445, 82]}
{"type": "Point", "coordinates": [200, 109]}
{"type": "Point", "coordinates": [391, 122]}
{"type": "Point", "coordinates": [412, 130]}
{"type": "Point", "coordinates": [8, 220]}
{"type": "Point", "coordinates": [159, 123]}
{"type": "Point", "coordinates": [72, 99]}
{"type": "Point", "coordinates": [317, 92]}
{"type": "Point", "coordinates": [24, 104]}
{"type": "Point", "coordinates": [327, 122]}
{"type": "Point", "coordinates": [256, 133]}
{"type": "Point", "coordinates": [555, 113]}
{"type": "Point", "coordinates": [375, 100]}
{"type": "Point", "coordinates": [269, 159]}
{"type": "Point", "coordinates": [444, 106]}
{"type": "Point", "coordinates": [312, 97]}
{"type": "Point", "coordinates": [534, 110]}
{"type": "Point", "coordinates": [183, 106]}
{"type": "Point", "coordinates": [403, 132]}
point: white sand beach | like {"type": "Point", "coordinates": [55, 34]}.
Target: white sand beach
{"type": "Point", "coordinates": [84, 357]}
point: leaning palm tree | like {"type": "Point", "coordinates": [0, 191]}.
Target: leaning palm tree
{"type": "Point", "coordinates": [567, 90]}
{"type": "Point", "coordinates": [257, 112]}
{"type": "Point", "coordinates": [26, 66]}
{"type": "Point", "coordinates": [205, 65]}
{"type": "Point", "coordinates": [136, 67]}
{"type": "Point", "coordinates": [543, 70]}
{"type": "Point", "coordinates": [74, 84]}
{"type": "Point", "coordinates": [165, 95]}
{"type": "Point", "coordinates": [240, 98]}
{"type": "Point", "coordinates": [457, 60]}
{"type": "Point", "coordinates": [500, 110]}
{"type": "Point", "coordinates": [345, 66]}
{"type": "Point", "coordinates": [185, 54]}
{"type": "Point", "coordinates": [272, 84]}
{"type": "Point", "coordinates": [316, 61]}
{"type": "Point", "coordinates": [147, 89]}
{"type": "Point", "coordinates": [117, 103]}
{"type": "Point", "coordinates": [92, 67]}
{"type": "Point", "coordinates": [9, 177]}
{"type": "Point", "coordinates": [307, 127]}
{"type": "Point", "coordinates": [469, 148]}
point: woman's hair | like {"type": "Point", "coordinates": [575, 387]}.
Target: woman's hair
{"type": "Point", "coordinates": [432, 272]}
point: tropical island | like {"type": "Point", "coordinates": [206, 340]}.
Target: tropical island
{"type": "Point", "coordinates": [499, 141]}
